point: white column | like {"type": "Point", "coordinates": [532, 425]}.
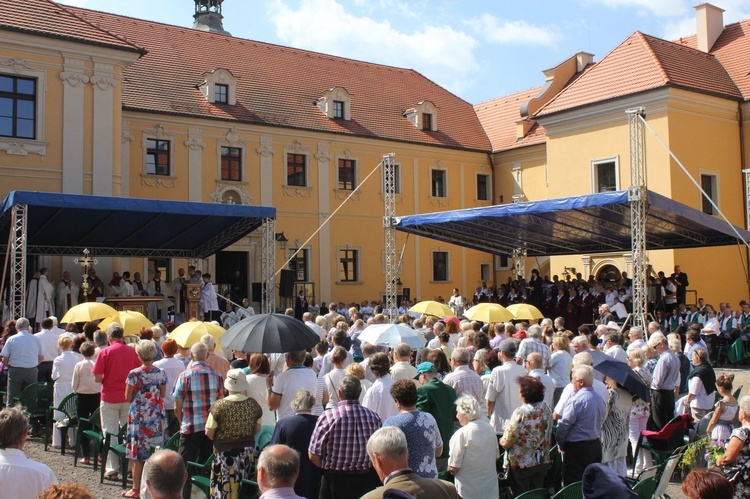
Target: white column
{"type": "Point", "coordinates": [126, 139]}
{"type": "Point", "coordinates": [265, 150]}
{"type": "Point", "coordinates": [324, 236]}
{"type": "Point", "coordinates": [195, 159]}
{"type": "Point", "coordinates": [74, 80]}
{"type": "Point", "coordinates": [103, 84]}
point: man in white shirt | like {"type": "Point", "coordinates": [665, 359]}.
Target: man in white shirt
{"type": "Point", "coordinates": [580, 359]}
{"type": "Point", "coordinates": [282, 387]}
{"type": "Point", "coordinates": [457, 303]}
{"type": "Point", "coordinates": [612, 347]}
{"type": "Point", "coordinates": [463, 379]}
{"type": "Point", "coordinates": [21, 477]}
{"type": "Point", "coordinates": [307, 318]}
{"type": "Point", "coordinates": [50, 350]}
{"type": "Point", "coordinates": [710, 333]}
{"type": "Point", "coordinates": [635, 338]}
{"type": "Point", "coordinates": [402, 369]}
{"type": "Point", "coordinates": [502, 393]}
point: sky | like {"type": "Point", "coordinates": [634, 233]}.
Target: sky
{"type": "Point", "coordinates": [477, 49]}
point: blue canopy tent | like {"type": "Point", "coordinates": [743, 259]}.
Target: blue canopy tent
{"type": "Point", "coordinates": [591, 223]}
{"type": "Point", "coordinates": [64, 224]}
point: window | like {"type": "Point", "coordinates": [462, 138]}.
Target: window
{"type": "Point", "coordinates": [484, 272]}
{"type": "Point", "coordinates": [483, 187]}
{"type": "Point", "coordinates": [396, 180]}
{"type": "Point", "coordinates": [17, 107]}
{"type": "Point", "coordinates": [221, 93]}
{"type": "Point", "coordinates": [502, 262]}
{"type": "Point", "coordinates": [605, 176]}
{"type": "Point", "coordinates": [438, 183]}
{"type": "Point", "coordinates": [162, 265]}
{"type": "Point", "coordinates": [709, 185]}
{"type": "Point", "coordinates": [347, 174]}
{"type": "Point", "coordinates": [157, 157]}
{"type": "Point", "coordinates": [338, 109]}
{"type": "Point", "coordinates": [426, 121]}
{"type": "Point", "coordinates": [439, 265]}
{"type": "Point", "coordinates": [231, 164]}
{"type": "Point", "coordinates": [348, 265]}
{"type": "Point", "coordinates": [299, 264]}
{"type": "Point", "coordinates": [296, 164]}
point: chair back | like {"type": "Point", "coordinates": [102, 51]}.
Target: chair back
{"type": "Point", "coordinates": [666, 474]}
{"type": "Point", "coordinates": [534, 494]}
{"type": "Point", "coordinates": [702, 428]}
{"type": "Point", "coordinates": [553, 479]}
{"type": "Point", "coordinates": [570, 491]}
{"type": "Point", "coordinates": [95, 420]}
{"type": "Point", "coordinates": [69, 406]}
{"type": "Point", "coordinates": [645, 488]}
{"type": "Point", "coordinates": [263, 437]}
{"type": "Point", "coordinates": [648, 473]}
{"type": "Point", "coordinates": [36, 399]}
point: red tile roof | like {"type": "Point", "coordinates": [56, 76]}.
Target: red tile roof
{"type": "Point", "coordinates": [46, 18]}
{"type": "Point", "coordinates": [641, 63]}
{"type": "Point", "coordinates": [731, 49]}
{"type": "Point", "coordinates": [277, 86]}
{"type": "Point", "coordinates": [499, 117]}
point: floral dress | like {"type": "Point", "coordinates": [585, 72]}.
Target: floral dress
{"type": "Point", "coordinates": [147, 419]}
{"type": "Point", "coordinates": [529, 429]}
{"type": "Point", "coordinates": [742, 482]}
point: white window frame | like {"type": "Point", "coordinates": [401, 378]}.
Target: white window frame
{"type": "Point", "coordinates": [716, 197]}
{"type": "Point", "coordinates": [358, 268]}
{"type": "Point", "coordinates": [595, 176]}
{"type": "Point", "coordinates": [325, 102]}
{"type": "Point", "coordinates": [17, 145]}
{"type": "Point", "coordinates": [445, 182]}
{"type": "Point", "coordinates": [356, 173]}
{"type": "Point", "coordinates": [221, 76]}
{"type": "Point", "coordinates": [447, 263]}
{"type": "Point", "coordinates": [415, 115]}
{"type": "Point", "coordinates": [476, 186]}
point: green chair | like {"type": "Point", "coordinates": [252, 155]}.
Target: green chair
{"type": "Point", "coordinates": [646, 488]}
{"type": "Point", "coordinates": [737, 392]}
{"type": "Point", "coordinates": [36, 400]}
{"type": "Point", "coordinates": [263, 437]}
{"type": "Point", "coordinates": [553, 479]}
{"type": "Point", "coordinates": [446, 476]}
{"type": "Point", "coordinates": [118, 447]}
{"type": "Point", "coordinates": [571, 491]}
{"type": "Point", "coordinates": [69, 408]}
{"type": "Point", "coordinates": [200, 475]}
{"type": "Point", "coordinates": [91, 429]}
{"type": "Point", "coordinates": [249, 489]}
{"type": "Point", "coordinates": [534, 494]}
{"type": "Point", "coordinates": [172, 444]}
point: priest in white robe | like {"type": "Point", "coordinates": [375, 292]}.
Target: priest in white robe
{"type": "Point", "coordinates": [66, 294]}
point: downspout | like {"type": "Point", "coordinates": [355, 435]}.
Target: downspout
{"type": "Point", "coordinates": [744, 183]}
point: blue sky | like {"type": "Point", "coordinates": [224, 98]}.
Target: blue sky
{"type": "Point", "coordinates": [477, 49]}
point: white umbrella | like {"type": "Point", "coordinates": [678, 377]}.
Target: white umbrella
{"type": "Point", "coordinates": [390, 335]}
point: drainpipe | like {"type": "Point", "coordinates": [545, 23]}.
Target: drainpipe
{"type": "Point", "coordinates": [744, 184]}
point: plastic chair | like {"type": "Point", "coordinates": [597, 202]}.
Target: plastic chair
{"type": "Point", "coordinates": [646, 488]}
{"type": "Point", "coordinates": [661, 444]}
{"type": "Point", "coordinates": [553, 479]}
{"type": "Point", "coordinates": [534, 494]}
{"type": "Point", "coordinates": [446, 476]}
{"type": "Point", "coordinates": [172, 444]}
{"type": "Point", "coordinates": [90, 428]}
{"type": "Point", "coordinates": [571, 491]}
{"type": "Point", "coordinates": [249, 489]}
{"type": "Point", "coordinates": [201, 477]}
{"type": "Point", "coordinates": [36, 400]}
{"type": "Point", "coordinates": [738, 391]}
{"type": "Point", "coordinates": [120, 450]}
{"type": "Point", "coordinates": [263, 437]}
{"type": "Point", "coordinates": [666, 474]}
{"type": "Point", "coordinates": [69, 408]}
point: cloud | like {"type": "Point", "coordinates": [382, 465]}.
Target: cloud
{"type": "Point", "coordinates": [660, 8]}
{"type": "Point", "coordinates": [75, 3]}
{"type": "Point", "coordinates": [495, 30]}
{"type": "Point", "coordinates": [674, 29]}
{"type": "Point", "coordinates": [441, 53]}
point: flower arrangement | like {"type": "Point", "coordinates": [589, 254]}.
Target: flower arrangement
{"type": "Point", "coordinates": [704, 448]}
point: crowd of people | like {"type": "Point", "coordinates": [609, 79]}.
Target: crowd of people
{"type": "Point", "coordinates": [476, 408]}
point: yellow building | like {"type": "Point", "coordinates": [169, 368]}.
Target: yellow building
{"type": "Point", "coordinates": [109, 105]}
{"type": "Point", "coordinates": [570, 137]}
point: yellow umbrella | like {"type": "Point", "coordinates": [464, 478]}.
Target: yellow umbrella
{"type": "Point", "coordinates": [489, 312]}
{"type": "Point", "coordinates": [435, 308]}
{"type": "Point", "coordinates": [525, 311]}
{"type": "Point", "coordinates": [87, 312]}
{"type": "Point", "coordinates": [131, 322]}
{"type": "Point", "coordinates": [188, 333]}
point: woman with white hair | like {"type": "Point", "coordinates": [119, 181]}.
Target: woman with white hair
{"type": "Point", "coordinates": [473, 452]}
{"type": "Point", "coordinates": [62, 373]}
{"type": "Point", "coordinates": [737, 451]}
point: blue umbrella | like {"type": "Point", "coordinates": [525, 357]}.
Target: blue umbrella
{"type": "Point", "coordinates": [624, 375]}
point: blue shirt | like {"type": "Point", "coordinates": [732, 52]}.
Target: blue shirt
{"type": "Point", "coordinates": [582, 417]}
{"type": "Point", "coordinates": [422, 436]}
{"type": "Point", "coordinates": [22, 350]}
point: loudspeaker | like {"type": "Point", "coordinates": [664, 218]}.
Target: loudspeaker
{"type": "Point", "coordinates": [286, 284]}
{"type": "Point", "coordinates": [257, 292]}
{"type": "Point", "coordinates": [406, 294]}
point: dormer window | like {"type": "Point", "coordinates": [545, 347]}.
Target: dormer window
{"type": "Point", "coordinates": [219, 87]}
{"type": "Point", "coordinates": [221, 93]}
{"type": "Point", "coordinates": [336, 103]}
{"type": "Point", "coordinates": [423, 116]}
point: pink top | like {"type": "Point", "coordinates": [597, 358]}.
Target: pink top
{"type": "Point", "coordinates": [114, 363]}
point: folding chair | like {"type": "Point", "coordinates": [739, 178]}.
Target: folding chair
{"type": "Point", "coordinates": [664, 442]}
{"type": "Point", "coordinates": [666, 474]}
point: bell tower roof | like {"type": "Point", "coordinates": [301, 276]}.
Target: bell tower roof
{"type": "Point", "coordinates": [208, 16]}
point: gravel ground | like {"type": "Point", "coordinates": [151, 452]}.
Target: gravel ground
{"type": "Point", "coordinates": [85, 475]}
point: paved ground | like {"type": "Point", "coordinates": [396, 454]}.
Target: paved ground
{"type": "Point", "coordinates": [84, 475]}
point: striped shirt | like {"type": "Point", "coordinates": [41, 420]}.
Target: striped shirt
{"type": "Point", "coordinates": [465, 381]}
{"type": "Point", "coordinates": [341, 435]}
{"type": "Point", "coordinates": [198, 387]}
{"type": "Point", "coordinates": [530, 345]}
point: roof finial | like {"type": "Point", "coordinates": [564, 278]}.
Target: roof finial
{"type": "Point", "coordinates": [208, 16]}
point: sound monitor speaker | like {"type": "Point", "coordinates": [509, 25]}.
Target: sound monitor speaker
{"type": "Point", "coordinates": [286, 285]}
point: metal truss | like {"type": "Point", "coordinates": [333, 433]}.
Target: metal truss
{"type": "Point", "coordinates": [268, 265]}
{"type": "Point", "coordinates": [389, 212]}
{"type": "Point", "coordinates": [108, 251]}
{"type": "Point", "coordinates": [638, 199]}
{"type": "Point", "coordinates": [17, 241]}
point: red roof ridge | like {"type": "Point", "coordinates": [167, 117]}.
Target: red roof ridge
{"type": "Point", "coordinates": [122, 39]}
{"type": "Point", "coordinates": [507, 96]}
{"type": "Point", "coordinates": [645, 39]}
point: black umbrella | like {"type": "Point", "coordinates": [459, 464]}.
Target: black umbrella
{"type": "Point", "coordinates": [623, 374]}
{"type": "Point", "coordinates": [269, 333]}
